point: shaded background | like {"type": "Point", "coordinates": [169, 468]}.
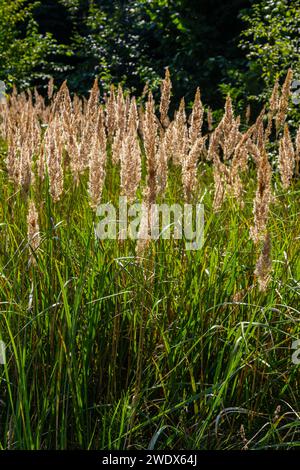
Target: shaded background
{"type": "Point", "coordinates": [234, 46]}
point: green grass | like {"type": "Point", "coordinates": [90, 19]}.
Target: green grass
{"type": "Point", "coordinates": [107, 351]}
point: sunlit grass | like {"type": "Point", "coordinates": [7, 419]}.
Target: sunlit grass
{"type": "Point", "coordinates": [177, 350]}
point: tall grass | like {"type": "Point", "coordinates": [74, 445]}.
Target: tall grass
{"type": "Point", "coordinates": [167, 348]}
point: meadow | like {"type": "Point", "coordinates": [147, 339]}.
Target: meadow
{"type": "Point", "coordinates": [125, 344]}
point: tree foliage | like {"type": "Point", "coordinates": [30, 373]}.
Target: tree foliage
{"type": "Point", "coordinates": [272, 38]}
{"type": "Point", "coordinates": [25, 54]}
{"type": "Point", "coordinates": [132, 42]}
{"type": "Point", "coordinates": [271, 44]}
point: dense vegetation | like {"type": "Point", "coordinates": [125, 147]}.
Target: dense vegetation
{"type": "Point", "coordinates": [133, 344]}
{"type": "Point", "coordinates": [238, 47]}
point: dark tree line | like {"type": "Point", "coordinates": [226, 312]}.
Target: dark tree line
{"type": "Point", "coordinates": [131, 42]}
